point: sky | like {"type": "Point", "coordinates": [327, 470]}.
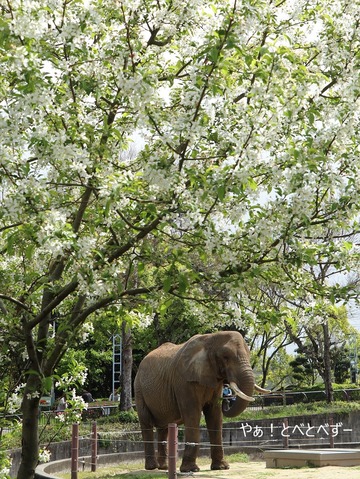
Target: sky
{"type": "Point", "coordinates": [354, 315]}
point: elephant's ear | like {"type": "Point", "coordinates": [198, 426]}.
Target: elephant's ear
{"type": "Point", "coordinates": [197, 364]}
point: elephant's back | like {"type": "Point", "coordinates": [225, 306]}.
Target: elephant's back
{"type": "Point", "coordinates": [157, 361]}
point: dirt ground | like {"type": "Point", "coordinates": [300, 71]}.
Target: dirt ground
{"type": "Point", "coordinates": [258, 470]}
{"type": "Point", "coordinates": [254, 469]}
{"type": "Point", "coordinates": [238, 470]}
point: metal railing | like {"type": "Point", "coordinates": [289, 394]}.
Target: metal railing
{"type": "Point", "coordinates": [276, 398]}
{"type": "Point", "coordinates": [284, 398]}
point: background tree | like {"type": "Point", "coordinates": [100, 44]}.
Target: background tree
{"type": "Point", "coordinates": [316, 338]}
{"type": "Point", "coordinates": [126, 368]}
{"type": "Point", "coordinates": [248, 123]}
{"type": "Point", "coordinates": [279, 374]}
{"type": "Point", "coordinates": [341, 361]}
{"type": "Point", "coordinates": [305, 372]}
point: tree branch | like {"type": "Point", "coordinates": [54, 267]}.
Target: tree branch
{"type": "Point", "coordinates": [64, 293]}
{"type": "Point", "coordinates": [4, 228]}
{"type": "Point", "coordinates": [14, 301]}
{"type": "Point", "coordinates": [144, 232]}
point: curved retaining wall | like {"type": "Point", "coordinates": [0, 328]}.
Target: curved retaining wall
{"type": "Point", "coordinates": [49, 470]}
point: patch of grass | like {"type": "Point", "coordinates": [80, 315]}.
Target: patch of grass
{"type": "Point", "coordinates": [237, 457]}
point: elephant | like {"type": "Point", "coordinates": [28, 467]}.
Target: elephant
{"type": "Point", "coordinates": [177, 383]}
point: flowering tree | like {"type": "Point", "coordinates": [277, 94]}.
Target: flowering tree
{"type": "Point", "coordinates": [246, 118]}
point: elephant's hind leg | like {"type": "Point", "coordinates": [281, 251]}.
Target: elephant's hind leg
{"type": "Point", "coordinates": [162, 448]}
{"type": "Point", "coordinates": [147, 430]}
{"type": "Point", "coordinates": [149, 443]}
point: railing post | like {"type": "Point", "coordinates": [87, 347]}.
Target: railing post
{"type": "Point", "coordinates": [173, 450]}
{"type": "Point", "coordinates": [286, 438]}
{"type": "Point", "coordinates": [331, 432]}
{"type": "Point", "coordinates": [93, 446]}
{"type": "Point", "coordinates": [74, 451]}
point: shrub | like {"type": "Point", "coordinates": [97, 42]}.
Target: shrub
{"type": "Point", "coordinates": [128, 416]}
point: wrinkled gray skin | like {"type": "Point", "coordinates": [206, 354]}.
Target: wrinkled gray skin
{"type": "Point", "coordinates": [176, 383]}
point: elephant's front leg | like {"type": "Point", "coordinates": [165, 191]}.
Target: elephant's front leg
{"type": "Point", "coordinates": [191, 451]}
{"type": "Point", "coordinates": [213, 417]}
{"type": "Point", "coordinates": [162, 448]}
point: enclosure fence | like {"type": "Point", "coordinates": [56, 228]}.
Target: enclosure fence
{"type": "Point", "coordinates": [281, 433]}
{"type": "Point", "coordinates": [278, 398]}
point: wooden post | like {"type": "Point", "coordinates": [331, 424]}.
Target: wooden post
{"type": "Point", "coordinates": [93, 446]}
{"type": "Point", "coordinates": [331, 431]}
{"type": "Point", "coordinates": [74, 451]}
{"type": "Point", "coordinates": [286, 438]}
{"type": "Point", "coordinates": [173, 450]}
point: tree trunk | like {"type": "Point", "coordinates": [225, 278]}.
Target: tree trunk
{"type": "Point", "coordinates": [30, 428]}
{"type": "Point", "coordinates": [126, 368]}
{"type": "Point", "coordinates": [329, 391]}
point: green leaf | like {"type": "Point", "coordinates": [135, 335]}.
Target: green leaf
{"type": "Point", "coordinates": [107, 208]}
{"type": "Point", "coordinates": [252, 184]}
{"type": "Point", "coordinates": [11, 240]}
{"type": "Point", "coordinates": [4, 33]}
{"type": "Point", "coordinates": [214, 54]}
{"type": "Point", "coordinates": [47, 383]}
{"type": "Point", "coordinates": [167, 283]}
{"type": "Point", "coordinates": [29, 251]}
{"type": "Point", "coordinates": [183, 283]}
{"type": "Point", "coordinates": [347, 245]}
{"type": "Point", "coordinates": [221, 192]}
{"type": "Point", "coordinates": [165, 306]}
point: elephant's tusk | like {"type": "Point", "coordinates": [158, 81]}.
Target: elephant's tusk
{"type": "Point", "coordinates": [261, 390]}
{"type": "Point", "coordinates": [239, 393]}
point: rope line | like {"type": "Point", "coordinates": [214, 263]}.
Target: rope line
{"type": "Point", "coordinates": [209, 444]}
{"type": "Point", "coordinates": [204, 428]}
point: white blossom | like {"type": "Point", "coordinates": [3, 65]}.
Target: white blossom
{"type": "Point", "coordinates": [44, 455]}
{"type": "Point", "coordinates": [33, 395]}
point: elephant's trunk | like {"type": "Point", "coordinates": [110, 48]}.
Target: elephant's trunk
{"type": "Point", "coordinates": [245, 384]}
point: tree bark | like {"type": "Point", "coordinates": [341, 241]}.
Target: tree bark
{"type": "Point", "coordinates": [30, 428]}
{"type": "Point", "coordinates": [126, 368]}
{"type": "Point", "coordinates": [329, 391]}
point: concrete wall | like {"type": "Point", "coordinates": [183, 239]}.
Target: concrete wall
{"type": "Point", "coordinates": [342, 430]}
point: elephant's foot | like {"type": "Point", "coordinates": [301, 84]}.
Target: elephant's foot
{"type": "Point", "coordinates": [217, 466]}
{"type": "Point", "coordinates": [163, 466]}
{"type": "Point", "coordinates": [188, 467]}
{"type": "Point", "coordinates": [151, 464]}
